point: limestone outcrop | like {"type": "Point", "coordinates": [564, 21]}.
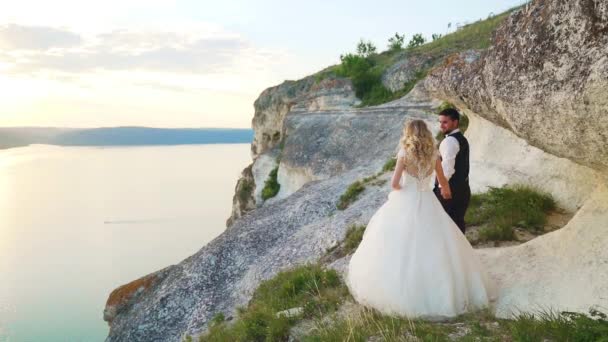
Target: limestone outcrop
{"type": "Point", "coordinates": [545, 78]}
{"type": "Point", "coordinates": [537, 100]}
{"type": "Point", "coordinates": [309, 93]}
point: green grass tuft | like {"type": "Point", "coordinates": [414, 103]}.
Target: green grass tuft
{"type": "Point", "coordinates": [369, 323]}
{"type": "Point", "coordinates": [389, 165]}
{"type": "Point", "coordinates": [353, 191]}
{"type": "Point", "coordinates": [500, 209]}
{"type": "Point", "coordinates": [354, 235]}
{"type": "Point", "coordinates": [549, 325]}
{"type": "Point", "coordinates": [311, 287]}
{"type": "Point", "coordinates": [497, 233]}
{"type": "Point", "coordinates": [351, 195]}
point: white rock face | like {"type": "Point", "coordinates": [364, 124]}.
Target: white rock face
{"type": "Point", "coordinates": [563, 270]}
{"type": "Point", "coordinates": [261, 169]}
{"type": "Point", "coordinates": [544, 78]}
{"type": "Point", "coordinates": [306, 94]}
{"type": "Point", "coordinates": [328, 94]}
{"type": "Point", "coordinates": [498, 157]}
{"type": "Point", "coordinates": [292, 179]}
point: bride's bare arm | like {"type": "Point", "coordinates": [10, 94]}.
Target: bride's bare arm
{"type": "Point", "coordinates": [445, 186]}
{"type": "Point", "coordinates": [397, 174]}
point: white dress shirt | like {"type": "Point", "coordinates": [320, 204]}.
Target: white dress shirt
{"type": "Point", "coordinates": [448, 149]}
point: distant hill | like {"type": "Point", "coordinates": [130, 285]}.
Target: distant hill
{"type": "Point", "coordinates": [121, 136]}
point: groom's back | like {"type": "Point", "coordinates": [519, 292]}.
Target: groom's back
{"type": "Point", "coordinates": [461, 165]}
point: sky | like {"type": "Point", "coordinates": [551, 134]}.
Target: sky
{"type": "Point", "coordinates": [187, 63]}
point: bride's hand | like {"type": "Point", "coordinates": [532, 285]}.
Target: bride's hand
{"type": "Point", "coordinates": [446, 192]}
{"type": "Point", "coordinates": [397, 187]}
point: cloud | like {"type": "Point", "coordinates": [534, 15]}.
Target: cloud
{"type": "Point", "coordinates": [17, 37]}
{"type": "Point", "coordinates": [43, 49]}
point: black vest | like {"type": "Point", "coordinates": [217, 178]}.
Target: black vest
{"type": "Point", "coordinates": [460, 177]}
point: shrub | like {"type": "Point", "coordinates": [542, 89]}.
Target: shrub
{"type": "Point", "coordinates": [360, 70]}
{"type": "Point", "coordinates": [416, 41]}
{"type": "Point", "coordinates": [271, 186]}
{"type": "Point", "coordinates": [365, 48]}
{"type": "Point", "coordinates": [368, 85]}
{"type": "Point", "coordinates": [366, 76]}
{"type": "Point", "coordinates": [395, 43]}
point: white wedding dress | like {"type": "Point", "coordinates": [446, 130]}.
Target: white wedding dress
{"type": "Point", "coordinates": [413, 260]}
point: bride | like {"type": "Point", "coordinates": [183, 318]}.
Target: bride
{"type": "Point", "coordinates": [413, 260]}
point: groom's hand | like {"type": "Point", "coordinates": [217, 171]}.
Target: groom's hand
{"type": "Point", "coordinates": [446, 192]}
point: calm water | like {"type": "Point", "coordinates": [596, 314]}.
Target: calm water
{"type": "Point", "coordinates": [76, 222]}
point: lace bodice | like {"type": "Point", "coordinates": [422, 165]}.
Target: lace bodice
{"type": "Point", "coordinates": [414, 176]}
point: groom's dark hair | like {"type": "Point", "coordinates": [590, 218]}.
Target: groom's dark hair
{"type": "Point", "coordinates": [451, 113]}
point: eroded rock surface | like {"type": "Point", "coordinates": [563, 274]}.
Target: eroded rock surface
{"type": "Point", "coordinates": [545, 78]}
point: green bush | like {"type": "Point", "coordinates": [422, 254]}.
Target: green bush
{"type": "Point", "coordinates": [366, 75]}
{"type": "Point", "coordinates": [271, 186]}
{"type": "Point", "coordinates": [366, 67]}
{"type": "Point", "coordinates": [416, 41]}
{"type": "Point", "coordinates": [395, 43]}
{"type": "Point", "coordinates": [365, 48]}
{"type": "Point", "coordinates": [361, 72]}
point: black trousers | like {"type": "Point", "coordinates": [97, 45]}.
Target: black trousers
{"type": "Point", "coordinates": [457, 206]}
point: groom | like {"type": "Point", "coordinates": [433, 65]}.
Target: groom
{"type": "Point", "coordinates": [454, 150]}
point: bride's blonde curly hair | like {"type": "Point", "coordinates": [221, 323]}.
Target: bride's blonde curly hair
{"type": "Point", "coordinates": [419, 144]}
